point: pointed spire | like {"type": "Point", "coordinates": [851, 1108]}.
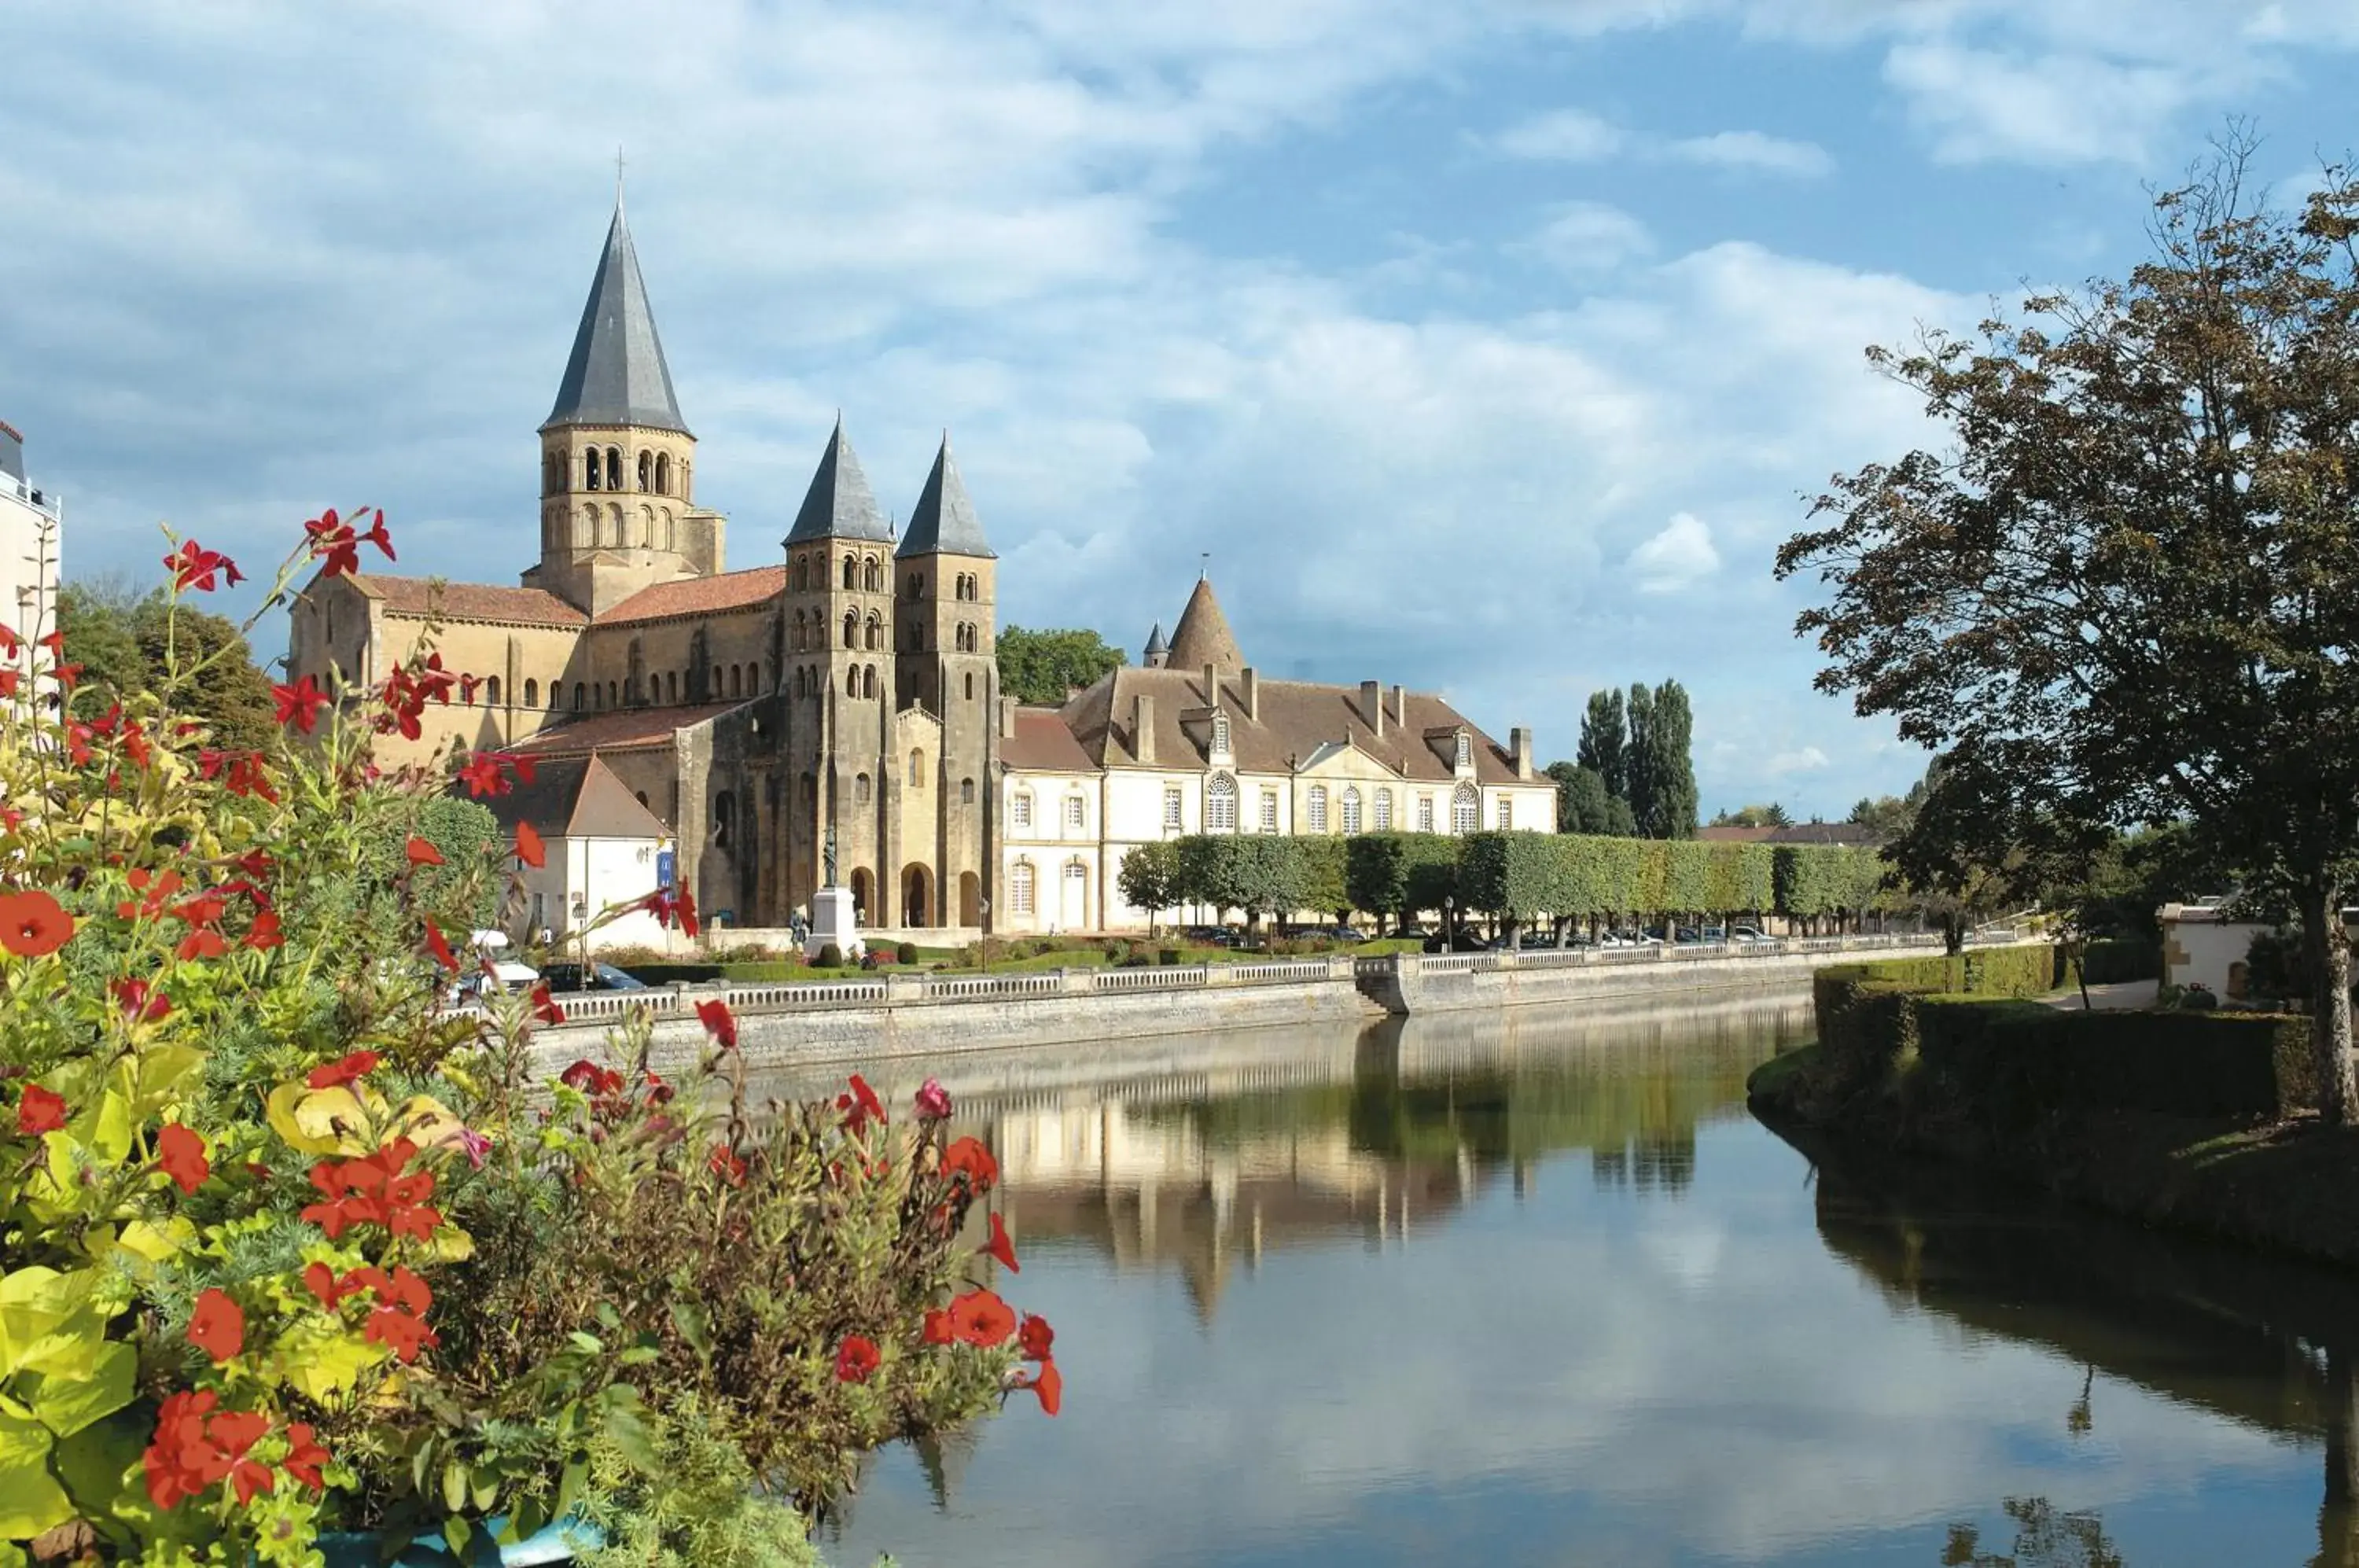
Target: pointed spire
{"type": "Point", "coordinates": [617, 375]}
{"type": "Point", "coordinates": [1202, 636]}
{"type": "Point", "coordinates": [1155, 646]}
{"type": "Point", "coordinates": [944, 522]}
{"type": "Point", "coordinates": [839, 503]}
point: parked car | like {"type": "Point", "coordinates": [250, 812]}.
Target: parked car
{"type": "Point", "coordinates": [1339, 933]}
{"type": "Point", "coordinates": [1745, 934]}
{"type": "Point", "coordinates": [1466, 942]}
{"type": "Point", "coordinates": [1412, 931]}
{"type": "Point", "coordinates": [569, 977]}
{"type": "Point", "coordinates": [471, 987]}
{"type": "Point", "coordinates": [1714, 933]}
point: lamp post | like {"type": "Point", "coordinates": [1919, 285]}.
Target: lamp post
{"type": "Point", "coordinates": [983, 942]}
{"type": "Point", "coordinates": [1449, 925]}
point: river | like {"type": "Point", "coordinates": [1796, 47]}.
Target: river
{"type": "Point", "coordinates": [1528, 1290]}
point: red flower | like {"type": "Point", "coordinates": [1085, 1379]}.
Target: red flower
{"type": "Point", "coordinates": [719, 1022]}
{"type": "Point", "coordinates": [181, 1461]}
{"type": "Point", "coordinates": [860, 1106]}
{"type": "Point", "coordinates": [180, 1154]}
{"type": "Point", "coordinates": [592, 1079]}
{"type": "Point", "coordinates": [1050, 1384]}
{"type": "Point", "coordinates": [299, 705]}
{"type": "Point", "coordinates": [933, 1101]}
{"type": "Point", "coordinates": [321, 1280]}
{"type": "Point", "coordinates": [335, 1075]}
{"type": "Point", "coordinates": [304, 1457]}
{"type": "Point", "coordinates": [544, 1007]}
{"type": "Point", "coordinates": [980, 1317]}
{"type": "Point", "coordinates": [937, 1327]}
{"type": "Point", "coordinates": [421, 852]}
{"type": "Point", "coordinates": [33, 924]}
{"type": "Point", "coordinates": [855, 1359]}
{"type": "Point", "coordinates": [668, 905]}
{"type": "Point", "coordinates": [967, 1157]}
{"type": "Point", "coordinates": [440, 948]}
{"type": "Point", "coordinates": [140, 1002]}
{"type": "Point", "coordinates": [192, 567]}
{"type": "Point", "coordinates": [1002, 1248]}
{"type": "Point", "coordinates": [398, 1332]}
{"type": "Point", "coordinates": [1035, 1338]}
{"type": "Point", "coordinates": [39, 1111]}
{"type": "Point", "coordinates": [377, 536]}
{"type": "Point", "coordinates": [217, 1327]}
{"type": "Point", "coordinates": [728, 1165]}
{"type": "Point", "coordinates": [234, 1433]}
{"type": "Point", "coordinates": [201, 944]}
{"type": "Point", "coordinates": [528, 847]}
{"type": "Point", "coordinates": [264, 933]}
{"type": "Point", "coordinates": [481, 775]}
{"type": "Point", "coordinates": [156, 892]}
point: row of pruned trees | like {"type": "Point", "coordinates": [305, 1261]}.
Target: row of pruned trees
{"type": "Point", "coordinates": [1514, 876]}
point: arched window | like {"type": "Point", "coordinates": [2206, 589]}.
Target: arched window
{"type": "Point", "coordinates": [966, 791]}
{"type": "Point", "coordinates": [798, 681]}
{"type": "Point", "coordinates": [492, 693]}
{"type": "Point", "coordinates": [852, 628]}
{"type": "Point", "coordinates": [647, 471]}
{"type": "Point", "coordinates": [1020, 888]}
{"type": "Point", "coordinates": [1221, 804]}
{"type": "Point", "coordinates": [579, 695]}
{"type": "Point", "coordinates": [614, 468]}
{"type": "Point", "coordinates": [876, 631]}
{"type": "Point", "coordinates": [597, 697]}
{"type": "Point", "coordinates": [852, 681]}
{"type": "Point", "coordinates": [970, 685]}
{"type": "Point", "coordinates": [531, 693]}
{"type": "Point", "coordinates": [1317, 807]}
{"type": "Point", "coordinates": [724, 815]}
{"type": "Point", "coordinates": [1349, 805]}
{"type": "Point", "coordinates": [613, 523]}
{"type": "Point", "coordinates": [646, 528]}
{"type": "Point", "coordinates": [1466, 810]}
{"type": "Point", "coordinates": [663, 473]}
{"type": "Point", "coordinates": [873, 576]}
{"type": "Point", "coordinates": [672, 685]}
{"type": "Point", "coordinates": [796, 642]}
{"type": "Point", "coordinates": [736, 676]}
{"type": "Point", "coordinates": [917, 586]}
{"type": "Point", "coordinates": [916, 769]}
{"type": "Point", "coordinates": [592, 471]}
{"type": "Point", "coordinates": [803, 574]}
{"type": "Point", "coordinates": [868, 682]}
{"type": "Point", "coordinates": [1383, 811]}
{"type": "Point", "coordinates": [861, 791]}
{"type": "Point", "coordinates": [852, 572]}
{"type": "Point", "coordinates": [614, 695]}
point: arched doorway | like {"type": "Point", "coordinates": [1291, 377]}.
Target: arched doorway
{"type": "Point", "coordinates": [864, 894]}
{"type": "Point", "coordinates": [916, 902]}
{"type": "Point", "coordinates": [970, 899]}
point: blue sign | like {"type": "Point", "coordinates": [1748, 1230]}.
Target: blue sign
{"type": "Point", "coordinates": [663, 867]}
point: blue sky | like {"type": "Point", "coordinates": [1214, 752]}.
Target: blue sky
{"type": "Point", "coordinates": [1487, 347]}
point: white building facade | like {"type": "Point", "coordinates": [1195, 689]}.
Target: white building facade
{"type": "Point", "coordinates": [31, 542]}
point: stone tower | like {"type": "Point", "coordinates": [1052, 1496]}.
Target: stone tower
{"type": "Point", "coordinates": [1157, 650]}
{"type": "Point", "coordinates": [946, 665]}
{"type": "Point", "coordinates": [617, 462]}
{"type": "Point", "coordinates": [839, 614]}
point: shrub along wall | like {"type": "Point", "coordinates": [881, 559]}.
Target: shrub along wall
{"type": "Point", "coordinates": [1868, 1013]}
{"type": "Point", "coordinates": [2118, 958]}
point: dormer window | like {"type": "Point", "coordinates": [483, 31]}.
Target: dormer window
{"type": "Point", "coordinates": [1220, 732]}
{"type": "Point", "coordinates": [1465, 749]}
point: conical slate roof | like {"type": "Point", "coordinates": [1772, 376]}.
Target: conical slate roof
{"type": "Point", "coordinates": [944, 522]}
{"type": "Point", "coordinates": [1203, 637]}
{"type": "Point", "coordinates": [617, 375]}
{"type": "Point", "coordinates": [839, 503]}
{"type": "Point", "coordinates": [1155, 643]}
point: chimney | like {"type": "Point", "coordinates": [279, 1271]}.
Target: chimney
{"type": "Point", "coordinates": [1400, 707]}
{"type": "Point", "coordinates": [1212, 685]}
{"type": "Point", "coordinates": [1007, 706]}
{"type": "Point", "coordinates": [1519, 743]}
{"type": "Point", "coordinates": [1372, 706]}
{"type": "Point", "coordinates": [1252, 696]}
{"type": "Point", "coordinates": [1142, 727]}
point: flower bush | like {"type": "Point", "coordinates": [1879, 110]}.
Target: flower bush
{"type": "Point", "coordinates": [290, 1247]}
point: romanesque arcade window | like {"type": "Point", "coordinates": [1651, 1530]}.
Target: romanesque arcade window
{"type": "Point", "coordinates": [492, 693]}
{"type": "Point", "coordinates": [966, 791]}
{"type": "Point", "coordinates": [862, 791]}
{"type": "Point", "coordinates": [873, 576]}
{"type": "Point", "coordinates": [647, 471]}
{"type": "Point", "coordinates": [868, 682]}
{"type": "Point", "coordinates": [580, 697]}
{"type": "Point", "coordinates": [852, 572]}
{"type": "Point", "coordinates": [1221, 804]}
{"type": "Point", "coordinates": [852, 628]}
{"type": "Point", "coordinates": [531, 693]}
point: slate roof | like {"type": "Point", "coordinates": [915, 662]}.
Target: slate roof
{"type": "Point", "coordinates": [944, 521]}
{"type": "Point", "coordinates": [1155, 643]}
{"type": "Point", "coordinates": [628, 729]}
{"type": "Point", "coordinates": [1202, 636]}
{"type": "Point", "coordinates": [469, 601]}
{"type": "Point", "coordinates": [1296, 718]}
{"type": "Point", "coordinates": [839, 503]}
{"type": "Point", "coordinates": [699, 595]}
{"type": "Point", "coordinates": [576, 798]}
{"type": "Point", "coordinates": [1042, 742]}
{"type": "Point", "coordinates": [617, 375]}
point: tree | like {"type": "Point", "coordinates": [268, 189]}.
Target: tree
{"type": "Point", "coordinates": [1582, 802]}
{"type": "Point", "coordinates": [1772, 815]}
{"type": "Point", "coordinates": [1043, 666]}
{"type": "Point", "coordinates": [1670, 766]}
{"type": "Point", "coordinates": [1602, 737]}
{"type": "Point", "coordinates": [2129, 584]}
{"type": "Point", "coordinates": [1149, 875]}
{"type": "Point", "coordinates": [1638, 757]}
{"type": "Point", "coordinates": [127, 643]}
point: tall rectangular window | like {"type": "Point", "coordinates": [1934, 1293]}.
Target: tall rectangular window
{"type": "Point", "coordinates": [1172, 803]}
{"type": "Point", "coordinates": [1317, 807]}
{"type": "Point", "coordinates": [1350, 803]}
{"type": "Point", "coordinates": [1020, 888]}
{"type": "Point", "coordinates": [1425, 813]}
{"type": "Point", "coordinates": [1383, 811]}
{"type": "Point", "coordinates": [1269, 811]}
{"type": "Point", "coordinates": [1074, 813]}
{"type": "Point", "coordinates": [1019, 810]}
{"type": "Point", "coordinates": [1506, 812]}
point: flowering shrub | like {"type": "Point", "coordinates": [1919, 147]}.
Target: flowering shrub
{"type": "Point", "coordinates": [288, 1245]}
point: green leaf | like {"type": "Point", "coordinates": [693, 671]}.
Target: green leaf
{"type": "Point", "coordinates": [456, 1530]}
{"type": "Point", "coordinates": [527, 1519]}
{"type": "Point", "coordinates": [98, 1467]}
{"type": "Point", "coordinates": [694, 1324]}
{"type": "Point", "coordinates": [66, 1405]}
{"type": "Point", "coordinates": [454, 1491]}
{"type": "Point", "coordinates": [31, 1501]}
{"type": "Point", "coordinates": [570, 1489]}
{"type": "Point", "coordinates": [627, 1430]}
{"type": "Point", "coordinates": [484, 1492]}
{"type": "Point", "coordinates": [47, 1324]}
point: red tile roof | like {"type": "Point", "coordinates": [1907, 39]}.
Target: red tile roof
{"type": "Point", "coordinates": [1043, 742]}
{"type": "Point", "coordinates": [699, 595]}
{"type": "Point", "coordinates": [621, 731]}
{"type": "Point", "coordinates": [469, 601]}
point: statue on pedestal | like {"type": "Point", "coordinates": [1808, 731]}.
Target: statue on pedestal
{"type": "Point", "coordinates": [826, 858]}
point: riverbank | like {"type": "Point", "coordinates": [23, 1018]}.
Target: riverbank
{"type": "Point", "coordinates": [2269, 1178]}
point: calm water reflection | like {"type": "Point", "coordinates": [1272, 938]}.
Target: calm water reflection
{"type": "Point", "coordinates": [1527, 1290]}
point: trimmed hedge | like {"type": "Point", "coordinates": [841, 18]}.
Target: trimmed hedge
{"type": "Point", "coordinates": [2118, 958]}
{"type": "Point", "coordinates": [2013, 1062]}
{"type": "Point", "coordinates": [665, 973]}
{"type": "Point", "coordinates": [1867, 1012]}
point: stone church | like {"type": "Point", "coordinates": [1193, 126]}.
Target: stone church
{"type": "Point", "coordinates": [849, 686]}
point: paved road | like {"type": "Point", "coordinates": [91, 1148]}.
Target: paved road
{"type": "Point", "coordinates": [2126, 994]}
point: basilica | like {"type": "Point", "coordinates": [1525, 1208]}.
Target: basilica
{"type": "Point", "coordinates": [721, 727]}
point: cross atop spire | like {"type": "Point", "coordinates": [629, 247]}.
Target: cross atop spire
{"type": "Point", "coordinates": [616, 374]}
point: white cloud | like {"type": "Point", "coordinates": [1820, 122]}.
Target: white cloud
{"type": "Point", "coordinates": [1676, 558]}
{"type": "Point", "coordinates": [1562, 135]}
{"type": "Point", "coordinates": [1802, 759]}
{"type": "Point", "coordinates": [1591, 236]}
{"type": "Point", "coordinates": [1756, 151]}
{"type": "Point", "coordinates": [2064, 108]}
